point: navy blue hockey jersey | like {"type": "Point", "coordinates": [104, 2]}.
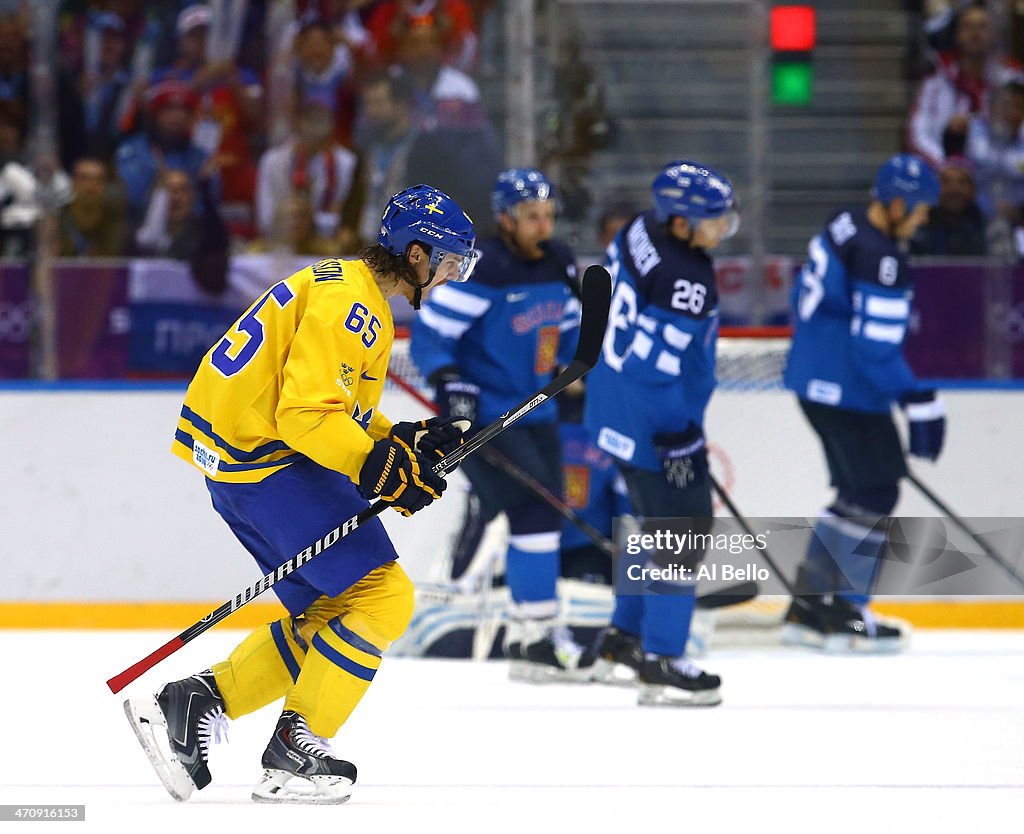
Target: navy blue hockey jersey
{"type": "Point", "coordinates": [852, 307]}
{"type": "Point", "coordinates": [592, 486]}
{"type": "Point", "coordinates": [657, 366]}
{"type": "Point", "coordinates": [506, 329]}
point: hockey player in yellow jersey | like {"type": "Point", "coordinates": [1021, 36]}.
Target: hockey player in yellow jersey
{"type": "Point", "coordinates": [282, 418]}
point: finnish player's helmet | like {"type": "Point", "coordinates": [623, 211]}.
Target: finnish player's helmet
{"type": "Point", "coordinates": [516, 185]}
{"type": "Point", "coordinates": [688, 189]}
{"type": "Point", "coordinates": [908, 176]}
{"type": "Point", "coordinates": [423, 214]}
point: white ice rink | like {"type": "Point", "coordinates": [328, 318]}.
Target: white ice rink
{"type": "Point", "coordinates": [931, 741]}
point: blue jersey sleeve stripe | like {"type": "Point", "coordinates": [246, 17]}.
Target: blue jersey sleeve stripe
{"type": "Point", "coordinates": [647, 323]}
{"type": "Point", "coordinates": [445, 326]}
{"type": "Point", "coordinates": [460, 301]}
{"type": "Point", "coordinates": [206, 428]}
{"type": "Point", "coordinates": [884, 307]}
{"type": "Point", "coordinates": [642, 344]}
{"type": "Point", "coordinates": [668, 363]}
{"type": "Point", "coordinates": [338, 659]}
{"type": "Point", "coordinates": [676, 338]}
{"type": "Point", "coordinates": [878, 332]}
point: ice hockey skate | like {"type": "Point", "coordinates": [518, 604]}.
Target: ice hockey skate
{"type": "Point", "coordinates": [838, 627]}
{"type": "Point", "coordinates": [668, 681]}
{"type": "Point", "coordinates": [619, 658]}
{"type": "Point", "coordinates": [540, 652]}
{"type": "Point", "coordinates": [301, 767]}
{"type": "Point", "coordinates": [190, 713]}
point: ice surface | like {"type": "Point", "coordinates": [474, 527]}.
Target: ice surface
{"type": "Point", "coordinates": [930, 741]}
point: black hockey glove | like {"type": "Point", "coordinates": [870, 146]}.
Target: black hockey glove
{"type": "Point", "coordinates": [433, 438]}
{"type": "Point", "coordinates": [399, 476]}
{"type": "Point", "coordinates": [926, 416]}
{"type": "Point", "coordinates": [683, 456]}
{"type": "Point", "coordinates": [456, 397]}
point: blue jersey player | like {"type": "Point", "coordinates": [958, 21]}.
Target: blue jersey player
{"type": "Point", "coordinates": [847, 368]}
{"type": "Point", "coordinates": [645, 406]}
{"type": "Point", "coordinates": [594, 490]}
{"type": "Point", "coordinates": [487, 346]}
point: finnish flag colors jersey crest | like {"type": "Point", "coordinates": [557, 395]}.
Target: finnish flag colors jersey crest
{"type": "Point", "coordinates": [506, 329]}
{"type": "Point", "coordinates": [854, 295]}
{"type": "Point", "coordinates": [662, 329]}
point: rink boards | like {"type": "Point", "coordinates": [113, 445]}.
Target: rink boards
{"type": "Point", "coordinates": [98, 511]}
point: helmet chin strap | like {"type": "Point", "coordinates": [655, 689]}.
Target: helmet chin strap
{"type": "Point", "coordinates": [417, 295]}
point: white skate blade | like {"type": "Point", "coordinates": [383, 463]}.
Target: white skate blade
{"type": "Point", "coordinates": [797, 635]}
{"type": "Point", "coordinates": [846, 644]}
{"type": "Point", "coordinates": [144, 714]}
{"type": "Point", "coordinates": [523, 671]}
{"type": "Point", "coordinates": [280, 787]}
{"type": "Point", "coordinates": [613, 674]}
{"type": "Point", "coordinates": [658, 695]}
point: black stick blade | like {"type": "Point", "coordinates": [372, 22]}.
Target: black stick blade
{"type": "Point", "coordinates": [597, 298]}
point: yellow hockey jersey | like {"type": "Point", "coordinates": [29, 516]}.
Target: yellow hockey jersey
{"type": "Point", "coordinates": [300, 373]}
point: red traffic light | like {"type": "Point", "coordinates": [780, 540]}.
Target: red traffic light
{"type": "Point", "coordinates": [793, 28]}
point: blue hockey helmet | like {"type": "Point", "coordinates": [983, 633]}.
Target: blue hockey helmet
{"type": "Point", "coordinates": [422, 214]}
{"type": "Point", "coordinates": [516, 185]}
{"type": "Point", "coordinates": [688, 189]}
{"type": "Point", "coordinates": [909, 177]}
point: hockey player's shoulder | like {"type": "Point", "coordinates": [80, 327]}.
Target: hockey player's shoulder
{"type": "Point", "coordinates": [843, 228]}
{"type": "Point", "coordinates": [497, 267]}
{"type": "Point", "coordinates": [491, 265]}
{"type": "Point", "coordinates": [559, 251]}
{"type": "Point", "coordinates": [644, 243]}
{"type": "Point", "coordinates": [332, 281]}
{"type": "Point", "coordinates": [338, 275]}
{"type": "Point", "coordinates": [331, 269]}
{"type": "Point", "coordinates": [870, 255]}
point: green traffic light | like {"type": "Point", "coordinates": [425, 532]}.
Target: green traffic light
{"type": "Point", "coordinates": [792, 83]}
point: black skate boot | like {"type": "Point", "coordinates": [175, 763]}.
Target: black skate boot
{"type": "Point", "coordinates": [191, 711]}
{"type": "Point", "coordinates": [301, 767]}
{"type": "Point", "coordinates": [542, 652]}
{"type": "Point", "coordinates": [674, 681]}
{"type": "Point", "coordinates": [619, 658]}
{"type": "Point", "coordinates": [836, 626]}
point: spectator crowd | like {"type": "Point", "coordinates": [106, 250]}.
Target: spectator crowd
{"type": "Point", "coordinates": [194, 130]}
{"type": "Point", "coordinates": [967, 121]}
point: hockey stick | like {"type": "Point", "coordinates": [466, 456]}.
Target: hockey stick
{"type": "Point", "coordinates": [596, 300]}
{"type": "Point", "coordinates": [517, 473]}
{"type": "Point", "coordinates": [742, 521]}
{"type": "Point", "coordinates": [732, 595]}
{"type": "Point", "coordinates": [978, 539]}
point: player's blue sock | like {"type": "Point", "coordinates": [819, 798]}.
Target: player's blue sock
{"type": "Point", "coordinates": [666, 620]}
{"type": "Point", "coordinates": [843, 557]}
{"type": "Point", "coordinates": [531, 569]}
{"type": "Point", "coordinates": [629, 613]}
